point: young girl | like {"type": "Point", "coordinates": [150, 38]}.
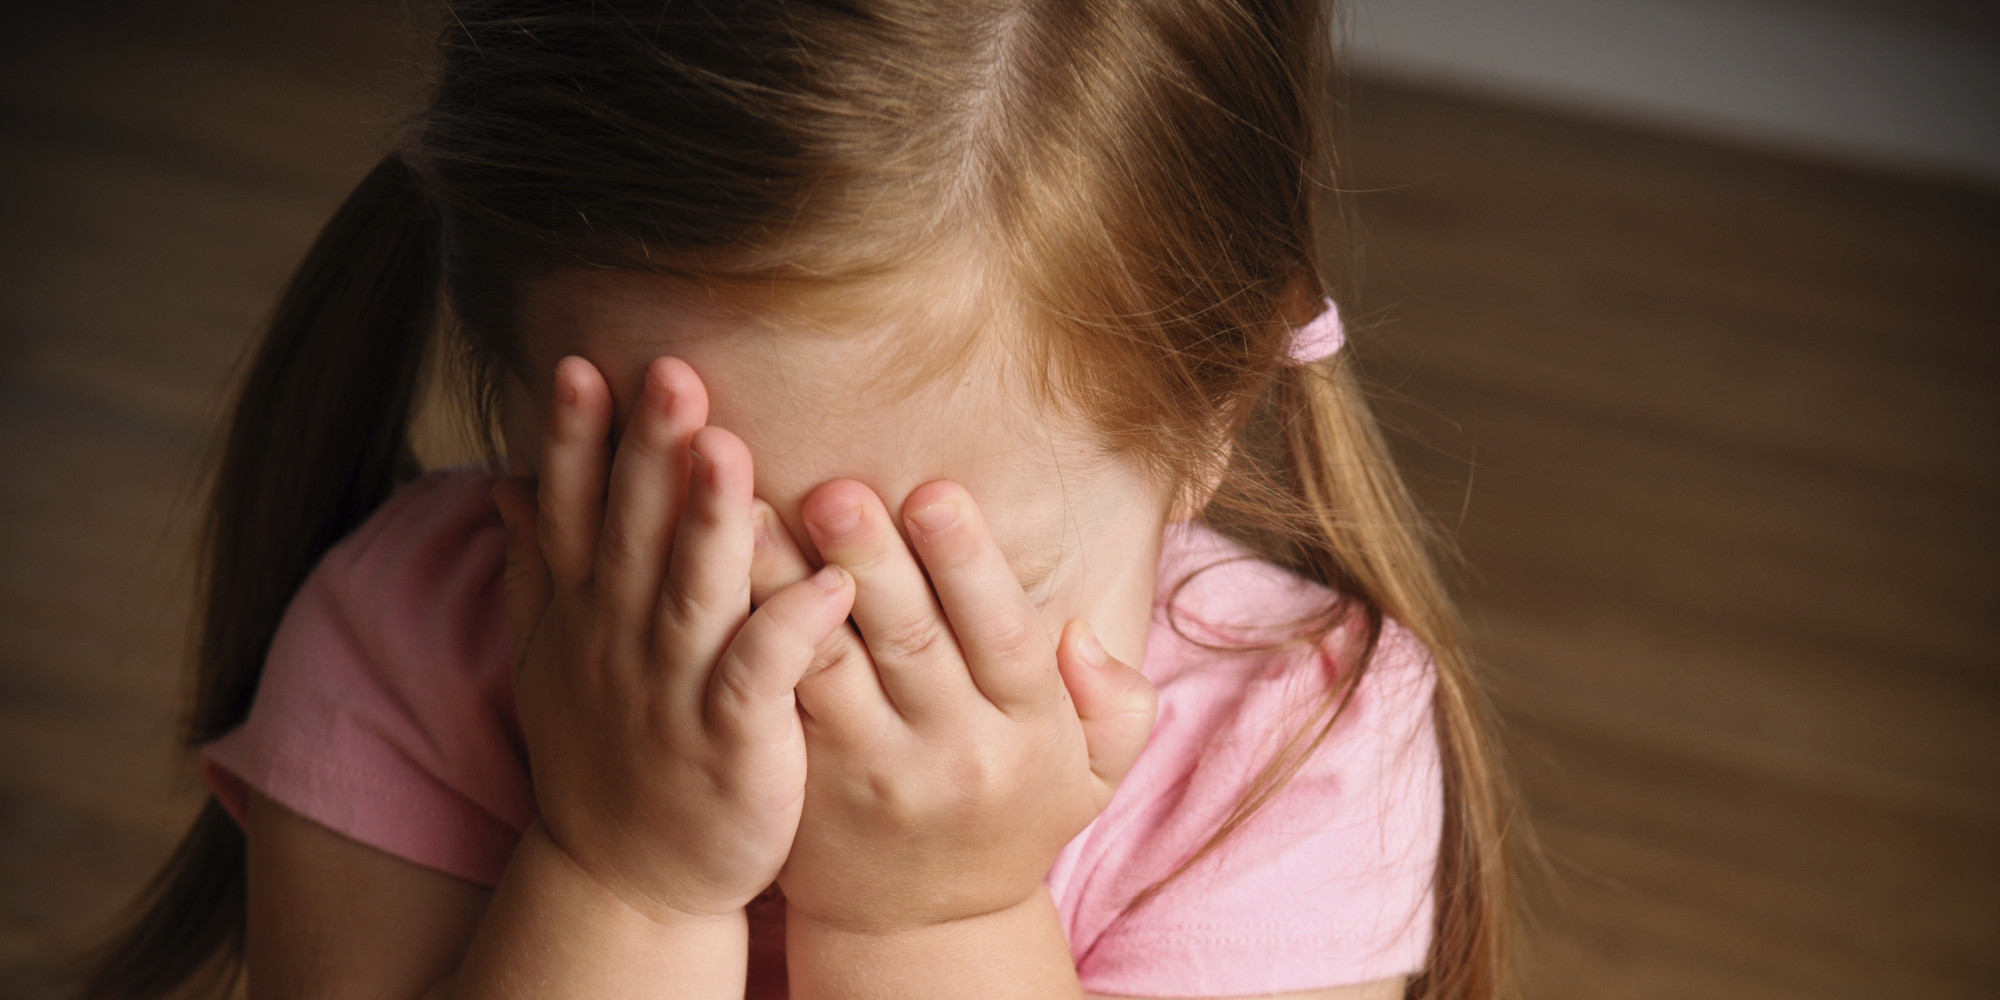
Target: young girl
{"type": "Point", "coordinates": [941, 552]}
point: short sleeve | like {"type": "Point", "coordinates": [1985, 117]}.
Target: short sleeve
{"type": "Point", "coordinates": [1329, 883]}
{"type": "Point", "coordinates": [385, 711]}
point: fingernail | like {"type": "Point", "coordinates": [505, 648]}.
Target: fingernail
{"type": "Point", "coordinates": [936, 517]}
{"type": "Point", "coordinates": [830, 578]}
{"type": "Point", "coordinates": [842, 524]}
{"type": "Point", "coordinates": [760, 532]}
{"type": "Point", "coordinates": [704, 467]}
{"type": "Point", "coordinates": [1089, 648]}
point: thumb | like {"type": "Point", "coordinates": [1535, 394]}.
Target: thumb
{"type": "Point", "coordinates": [527, 573]}
{"type": "Point", "coordinates": [1114, 702]}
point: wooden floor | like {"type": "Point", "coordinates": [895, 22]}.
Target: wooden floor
{"type": "Point", "coordinates": [1720, 434]}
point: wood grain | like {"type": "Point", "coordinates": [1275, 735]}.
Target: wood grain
{"type": "Point", "coordinates": [1720, 435]}
{"type": "Point", "coordinates": [1717, 432]}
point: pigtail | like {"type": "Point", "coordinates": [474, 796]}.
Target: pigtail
{"type": "Point", "coordinates": [317, 440]}
{"type": "Point", "coordinates": [1312, 486]}
{"type": "Point", "coordinates": [1375, 544]}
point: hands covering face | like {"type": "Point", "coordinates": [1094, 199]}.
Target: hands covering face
{"type": "Point", "coordinates": [704, 717]}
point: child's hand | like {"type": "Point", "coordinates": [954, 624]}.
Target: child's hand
{"type": "Point", "coordinates": [666, 749]}
{"type": "Point", "coordinates": [954, 755]}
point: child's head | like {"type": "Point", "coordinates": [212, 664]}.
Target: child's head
{"type": "Point", "coordinates": [1052, 249]}
{"type": "Point", "coordinates": [1045, 250]}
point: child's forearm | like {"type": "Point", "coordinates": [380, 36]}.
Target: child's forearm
{"type": "Point", "coordinates": [553, 931]}
{"type": "Point", "coordinates": [1017, 952]}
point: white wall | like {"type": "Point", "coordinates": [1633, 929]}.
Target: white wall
{"type": "Point", "coordinates": [1890, 84]}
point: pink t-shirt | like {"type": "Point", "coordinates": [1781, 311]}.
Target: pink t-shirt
{"type": "Point", "coordinates": [386, 712]}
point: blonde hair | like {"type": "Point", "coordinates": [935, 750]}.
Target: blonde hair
{"type": "Point", "coordinates": [1147, 180]}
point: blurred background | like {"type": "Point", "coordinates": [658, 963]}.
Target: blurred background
{"type": "Point", "coordinates": [1687, 318]}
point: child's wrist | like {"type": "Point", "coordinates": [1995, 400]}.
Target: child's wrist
{"type": "Point", "coordinates": [1022, 945]}
{"type": "Point", "coordinates": [892, 924]}
{"type": "Point", "coordinates": [544, 852]}
{"type": "Point", "coordinates": [552, 929]}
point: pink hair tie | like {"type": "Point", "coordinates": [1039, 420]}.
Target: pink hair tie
{"type": "Point", "coordinates": [1319, 339]}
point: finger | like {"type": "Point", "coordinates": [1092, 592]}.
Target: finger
{"type": "Point", "coordinates": [1115, 704]}
{"type": "Point", "coordinates": [648, 488]}
{"type": "Point", "coordinates": [840, 690]}
{"type": "Point", "coordinates": [776, 562]}
{"type": "Point", "coordinates": [750, 693]}
{"type": "Point", "coordinates": [908, 639]}
{"type": "Point", "coordinates": [707, 593]}
{"type": "Point", "coordinates": [999, 631]}
{"type": "Point", "coordinates": [575, 439]}
{"type": "Point", "coordinates": [527, 573]}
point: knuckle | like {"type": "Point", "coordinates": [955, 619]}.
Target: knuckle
{"type": "Point", "coordinates": [730, 694]}
{"type": "Point", "coordinates": [978, 778]}
{"type": "Point", "coordinates": [571, 431]}
{"type": "Point", "coordinates": [884, 792]}
{"type": "Point", "coordinates": [1145, 700]}
{"type": "Point", "coordinates": [552, 522]}
{"type": "Point", "coordinates": [522, 576]}
{"type": "Point", "coordinates": [1010, 636]}
{"type": "Point", "coordinates": [838, 653]}
{"type": "Point", "coordinates": [1136, 696]}
{"type": "Point", "coordinates": [908, 637]}
{"type": "Point", "coordinates": [705, 518]}
{"type": "Point", "coordinates": [705, 514]}
{"type": "Point", "coordinates": [901, 800]}
{"type": "Point", "coordinates": [701, 598]}
{"type": "Point", "coordinates": [681, 604]}
{"type": "Point", "coordinates": [618, 543]}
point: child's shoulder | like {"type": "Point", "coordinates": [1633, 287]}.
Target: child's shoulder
{"type": "Point", "coordinates": [385, 708]}
{"type": "Point", "coordinates": [416, 595]}
{"type": "Point", "coordinates": [1243, 655]}
{"type": "Point", "coordinates": [1328, 879]}
{"type": "Point", "coordinates": [1234, 654]}
{"type": "Point", "coordinates": [442, 523]}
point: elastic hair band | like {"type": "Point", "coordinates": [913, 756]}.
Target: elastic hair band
{"type": "Point", "coordinates": [1319, 339]}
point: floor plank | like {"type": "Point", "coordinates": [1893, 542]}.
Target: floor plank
{"type": "Point", "coordinates": [1718, 433]}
